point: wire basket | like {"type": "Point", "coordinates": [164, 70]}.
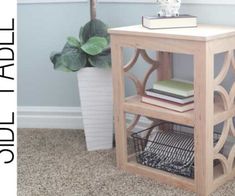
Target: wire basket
{"type": "Point", "coordinates": [167, 146]}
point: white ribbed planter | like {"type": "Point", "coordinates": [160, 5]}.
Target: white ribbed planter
{"type": "Point", "coordinates": [96, 96]}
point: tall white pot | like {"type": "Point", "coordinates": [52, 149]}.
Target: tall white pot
{"type": "Point", "coordinates": [96, 96]}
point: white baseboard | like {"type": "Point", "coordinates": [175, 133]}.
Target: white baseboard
{"type": "Point", "coordinates": [57, 117]}
{"type": "Point", "coordinates": [49, 117]}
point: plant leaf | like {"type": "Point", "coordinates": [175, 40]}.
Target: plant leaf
{"type": "Point", "coordinates": [72, 41]}
{"type": "Point", "coordinates": [67, 47]}
{"type": "Point", "coordinates": [93, 28]}
{"type": "Point", "coordinates": [74, 59]}
{"type": "Point", "coordinates": [103, 60]}
{"type": "Point", "coordinates": [58, 63]}
{"type": "Point", "coordinates": [95, 45]}
{"type": "Point", "coordinates": [70, 59]}
{"type": "Point", "coordinates": [81, 35]}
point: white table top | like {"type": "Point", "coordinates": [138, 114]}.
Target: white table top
{"type": "Point", "coordinates": [200, 33]}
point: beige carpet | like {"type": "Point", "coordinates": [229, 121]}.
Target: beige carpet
{"type": "Point", "coordinates": [55, 163]}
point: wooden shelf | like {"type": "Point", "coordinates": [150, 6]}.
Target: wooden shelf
{"type": "Point", "coordinates": [175, 180]}
{"type": "Point", "coordinates": [134, 105]}
{"type": "Point", "coordinates": [161, 176]}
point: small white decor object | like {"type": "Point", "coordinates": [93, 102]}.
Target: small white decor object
{"type": "Point", "coordinates": [96, 96]}
{"type": "Point", "coordinates": [169, 8]}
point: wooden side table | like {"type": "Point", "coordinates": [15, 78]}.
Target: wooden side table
{"type": "Point", "coordinates": [203, 43]}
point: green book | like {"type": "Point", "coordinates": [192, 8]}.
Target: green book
{"type": "Point", "coordinates": [177, 87]}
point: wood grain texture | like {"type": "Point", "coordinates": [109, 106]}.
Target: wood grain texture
{"type": "Point", "coordinates": [203, 116]}
{"type": "Point", "coordinates": [165, 70]}
{"type": "Point", "coordinates": [135, 106]}
{"type": "Point", "coordinates": [228, 105]}
{"type": "Point", "coordinates": [161, 176]}
{"type": "Point", "coordinates": [200, 33]}
{"type": "Point", "coordinates": [158, 44]}
{"type": "Point", "coordinates": [119, 94]}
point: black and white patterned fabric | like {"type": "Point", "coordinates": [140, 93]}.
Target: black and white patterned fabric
{"type": "Point", "coordinates": [170, 151]}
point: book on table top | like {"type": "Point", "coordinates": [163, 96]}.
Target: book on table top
{"type": "Point", "coordinates": [168, 96]}
{"type": "Point", "coordinates": [167, 104]}
{"type": "Point", "coordinates": [174, 86]}
{"type": "Point", "coordinates": [158, 22]}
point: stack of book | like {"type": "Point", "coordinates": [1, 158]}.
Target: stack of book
{"type": "Point", "coordinates": [171, 94]}
{"type": "Point", "coordinates": [158, 22]}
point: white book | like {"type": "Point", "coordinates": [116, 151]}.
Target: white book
{"type": "Point", "coordinates": [157, 22]}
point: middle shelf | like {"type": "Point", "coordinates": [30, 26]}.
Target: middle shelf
{"type": "Point", "coordinates": [134, 105]}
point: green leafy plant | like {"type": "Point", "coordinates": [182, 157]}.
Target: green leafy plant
{"type": "Point", "coordinates": [90, 50]}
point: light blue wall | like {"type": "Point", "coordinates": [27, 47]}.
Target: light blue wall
{"type": "Point", "coordinates": [43, 28]}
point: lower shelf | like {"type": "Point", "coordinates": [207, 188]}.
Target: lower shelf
{"type": "Point", "coordinates": [172, 179]}
{"type": "Point", "coordinates": [220, 176]}
{"type": "Point", "coordinates": [161, 176]}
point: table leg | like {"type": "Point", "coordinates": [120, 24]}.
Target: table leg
{"type": "Point", "coordinates": [165, 70]}
{"type": "Point", "coordinates": [119, 96]}
{"type": "Point", "coordinates": [203, 113]}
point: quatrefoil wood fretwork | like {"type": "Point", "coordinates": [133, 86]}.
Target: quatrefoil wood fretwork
{"type": "Point", "coordinates": [140, 85]}
{"type": "Point", "coordinates": [228, 103]}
